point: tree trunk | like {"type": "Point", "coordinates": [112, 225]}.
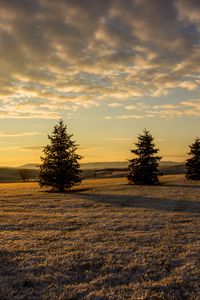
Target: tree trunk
{"type": "Point", "coordinates": [61, 188]}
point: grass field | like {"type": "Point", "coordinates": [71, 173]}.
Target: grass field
{"type": "Point", "coordinates": [103, 240]}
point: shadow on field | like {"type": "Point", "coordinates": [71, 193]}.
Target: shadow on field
{"type": "Point", "coordinates": [146, 202]}
{"type": "Point", "coordinates": [68, 191]}
{"type": "Point", "coordinates": [166, 184]}
{"type": "Point", "coordinates": [14, 281]}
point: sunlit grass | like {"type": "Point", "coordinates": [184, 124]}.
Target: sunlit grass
{"type": "Point", "coordinates": [103, 240]}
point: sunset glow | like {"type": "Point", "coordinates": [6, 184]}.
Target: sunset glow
{"type": "Point", "coordinates": [108, 68]}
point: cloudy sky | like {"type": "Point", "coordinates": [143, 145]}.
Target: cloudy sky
{"type": "Point", "coordinates": [109, 68]}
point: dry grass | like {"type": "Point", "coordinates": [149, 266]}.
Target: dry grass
{"type": "Point", "coordinates": [106, 240]}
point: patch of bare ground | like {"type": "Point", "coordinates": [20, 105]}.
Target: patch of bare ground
{"type": "Point", "coordinates": [103, 240]}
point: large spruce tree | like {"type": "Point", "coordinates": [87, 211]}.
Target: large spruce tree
{"type": "Point", "coordinates": [60, 166]}
{"type": "Point", "coordinates": [193, 163]}
{"type": "Point", "coordinates": [144, 167]}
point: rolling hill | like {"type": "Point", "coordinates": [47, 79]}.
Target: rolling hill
{"type": "Point", "coordinates": [13, 174]}
{"type": "Point", "coordinates": [90, 170]}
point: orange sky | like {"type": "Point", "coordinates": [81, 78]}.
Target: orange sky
{"type": "Point", "coordinates": [109, 68]}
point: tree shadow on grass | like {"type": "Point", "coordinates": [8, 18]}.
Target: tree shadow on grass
{"type": "Point", "coordinates": [145, 202]}
{"type": "Point", "coordinates": [68, 191]}
{"type": "Point", "coordinates": [175, 290]}
{"type": "Point", "coordinates": [181, 185]}
{"type": "Point", "coordinates": [15, 282]}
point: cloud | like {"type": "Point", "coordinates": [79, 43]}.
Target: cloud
{"type": "Point", "coordinates": [124, 117]}
{"type": "Point", "coordinates": [189, 10]}
{"type": "Point", "coordinates": [18, 134]}
{"type": "Point", "coordinates": [76, 54]}
{"type": "Point", "coordinates": [12, 148]}
{"type": "Point", "coordinates": [189, 108]}
{"type": "Point", "coordinates": [19, 148]}
{"type": "Point", "coordinates": [137, 107]}
{"type": "Point", "coordinates": [33, 148]}
{"type": "Point", "coordinates": [115, 104]}
{"type": "Point", "coordinates": [118, 139]}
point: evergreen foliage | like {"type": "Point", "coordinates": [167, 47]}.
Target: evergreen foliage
{"type": "Point", "coordinates": [193, 163]}
{"type": "Point", "coordinates": [144, 168]}
{"type": "Point", "coordinates": [60, 166]}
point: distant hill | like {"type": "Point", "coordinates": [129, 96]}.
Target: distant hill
{"type": "Point", "coordinates": [86, 166]}
{"type": "Point", "coordinates": [13, 174]}
{"type": "Point", "coordinates": [123, 172]}
{"type": "Point", "coordinates": [174, 169]}
{"type": "Point", "coordinates": [170, 163]}
{"type": "Point", "coordinates": [29, 166]}
{"type": "Point", "coordinates": [121, 165]}
{"type": "Point", "coordinates": [90, 170]}
{"type": "Point", "coordinates": [104, 165]}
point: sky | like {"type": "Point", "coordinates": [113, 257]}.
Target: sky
{"type": "Point", "coordinates": [108, 68]}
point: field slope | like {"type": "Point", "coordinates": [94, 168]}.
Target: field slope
{"type": "Point", "coordinates": [104, 240]}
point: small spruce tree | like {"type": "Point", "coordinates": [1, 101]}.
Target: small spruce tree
{"type": "Point", "coordinates": [144, 168]}
{"type": "Point", "coordinates": [193, 163]}
{"type": "Point", "coordinates": [60, 166]}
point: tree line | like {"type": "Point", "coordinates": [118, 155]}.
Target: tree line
{"type": "Point", "coordinates": [60, 167]}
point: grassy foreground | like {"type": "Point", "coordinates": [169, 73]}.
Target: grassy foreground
{"type": "Point", "coordinates": [105, 240]}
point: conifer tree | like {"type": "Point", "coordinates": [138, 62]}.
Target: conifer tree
{"type": "Point", "coordinates": [144, 167]}
{"type": "Point", "coordinates": [60, 166]}
{"type": "Point", "coordinates": [193, 163]}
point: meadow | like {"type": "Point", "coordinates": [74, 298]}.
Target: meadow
{"type": "Point", "coordinates": [102, 240]}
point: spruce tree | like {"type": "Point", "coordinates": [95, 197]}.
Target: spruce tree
{"type": "Point", "coordinates": [60, 166]}
{"type": "Point", "coordinates": [144, 167]}
{"type": "Point", "coordinates": [193, 163]}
